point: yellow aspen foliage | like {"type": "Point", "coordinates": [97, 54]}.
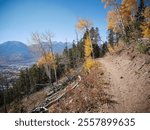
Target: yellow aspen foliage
{"type": "Point", "coordinates": [113, 22]}
{"type": "Point", "coordinates": [47, 59]}
{"type": "Point", "coordinates": [129, 5]}
{"type": "Point", "coordinates": [114, 18]}
{"type": "Point", "coordinates": [83, 24]}
{"type": "Point", "coordinates": [146, 33]}
{"type": "Point", "coordinates": [87, 47]}
{"type": "Point", "coordinates": [128, 10]}
{"type": "Point", "coordinates": [122, 14]}
{"type": "Point", "coordinates": [111, 19]}
{"type": "Point", "coordinates": [147, 13]}
{"type": "Point", "coordinates": [146, 25]}
{"type": "Point", "coordinates": [89, 62]}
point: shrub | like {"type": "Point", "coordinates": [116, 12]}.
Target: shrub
{"type": "Point", "coordinates": [142, 48]}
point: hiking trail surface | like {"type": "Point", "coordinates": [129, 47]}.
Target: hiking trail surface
{"type": "Point", "coordinates": [129, 82]}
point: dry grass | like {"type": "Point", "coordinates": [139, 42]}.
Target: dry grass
{"type": "Point", "coordinates": [116, 48]}
{"type": "Point", "coordinates": [89, 96]}
{"type": "Point", "coordinates": [28, 103]}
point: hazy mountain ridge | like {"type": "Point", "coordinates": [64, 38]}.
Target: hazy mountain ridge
{"type": "Point", "coordinates": [13, 51]}
{"type": "Point", "coordinates": [58, 47]}
{"type": "Point", "coordinates": [16, 51]}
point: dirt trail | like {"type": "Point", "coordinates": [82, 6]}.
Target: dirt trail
{"type": "Point", "coordinates": [130, 90]}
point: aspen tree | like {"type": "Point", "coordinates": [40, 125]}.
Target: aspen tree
{"type": "Point", "coordinates": [88, 49]}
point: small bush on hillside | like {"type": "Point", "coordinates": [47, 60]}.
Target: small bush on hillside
{"type": "Point", "coordinates": [115, 48]}
{"type": "Point", "coordinates": [142, 48]}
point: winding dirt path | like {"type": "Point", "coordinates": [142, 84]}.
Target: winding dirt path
{"type": "Point", "coordinates": [129, 89]}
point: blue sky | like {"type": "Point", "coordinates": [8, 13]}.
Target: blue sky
{"type": "Point", "coordinates": [19, 18]}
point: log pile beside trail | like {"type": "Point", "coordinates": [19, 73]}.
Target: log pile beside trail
{"type": "Point", "coordinates": [59, 89]}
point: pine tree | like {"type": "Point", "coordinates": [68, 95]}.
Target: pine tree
{"type": "Point", "coordinates": [71, 58]}
{"type": "Point", "coordinates": [80, 49]}
{"type": "Point", "coordinates": [103, 49]}
{"type": "Point", "coordinates": [140, 18]}
{"type": "Point", "coordinates": [66, 57]}
{"type": "Point", "coordinates": [96, 50]}
{"type": "Point", "coordinates": [111, 35]}
{"type": "Point", "coordinates": [74, 54]}
{"type": "Point", "coordinates": [95, 38]}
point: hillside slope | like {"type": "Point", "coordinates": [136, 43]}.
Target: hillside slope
{"type": "Point", "coordinates": [119, 83]}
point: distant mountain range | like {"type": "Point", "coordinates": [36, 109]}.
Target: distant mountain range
{"type": "Point", "coordinates": [15, 51]}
